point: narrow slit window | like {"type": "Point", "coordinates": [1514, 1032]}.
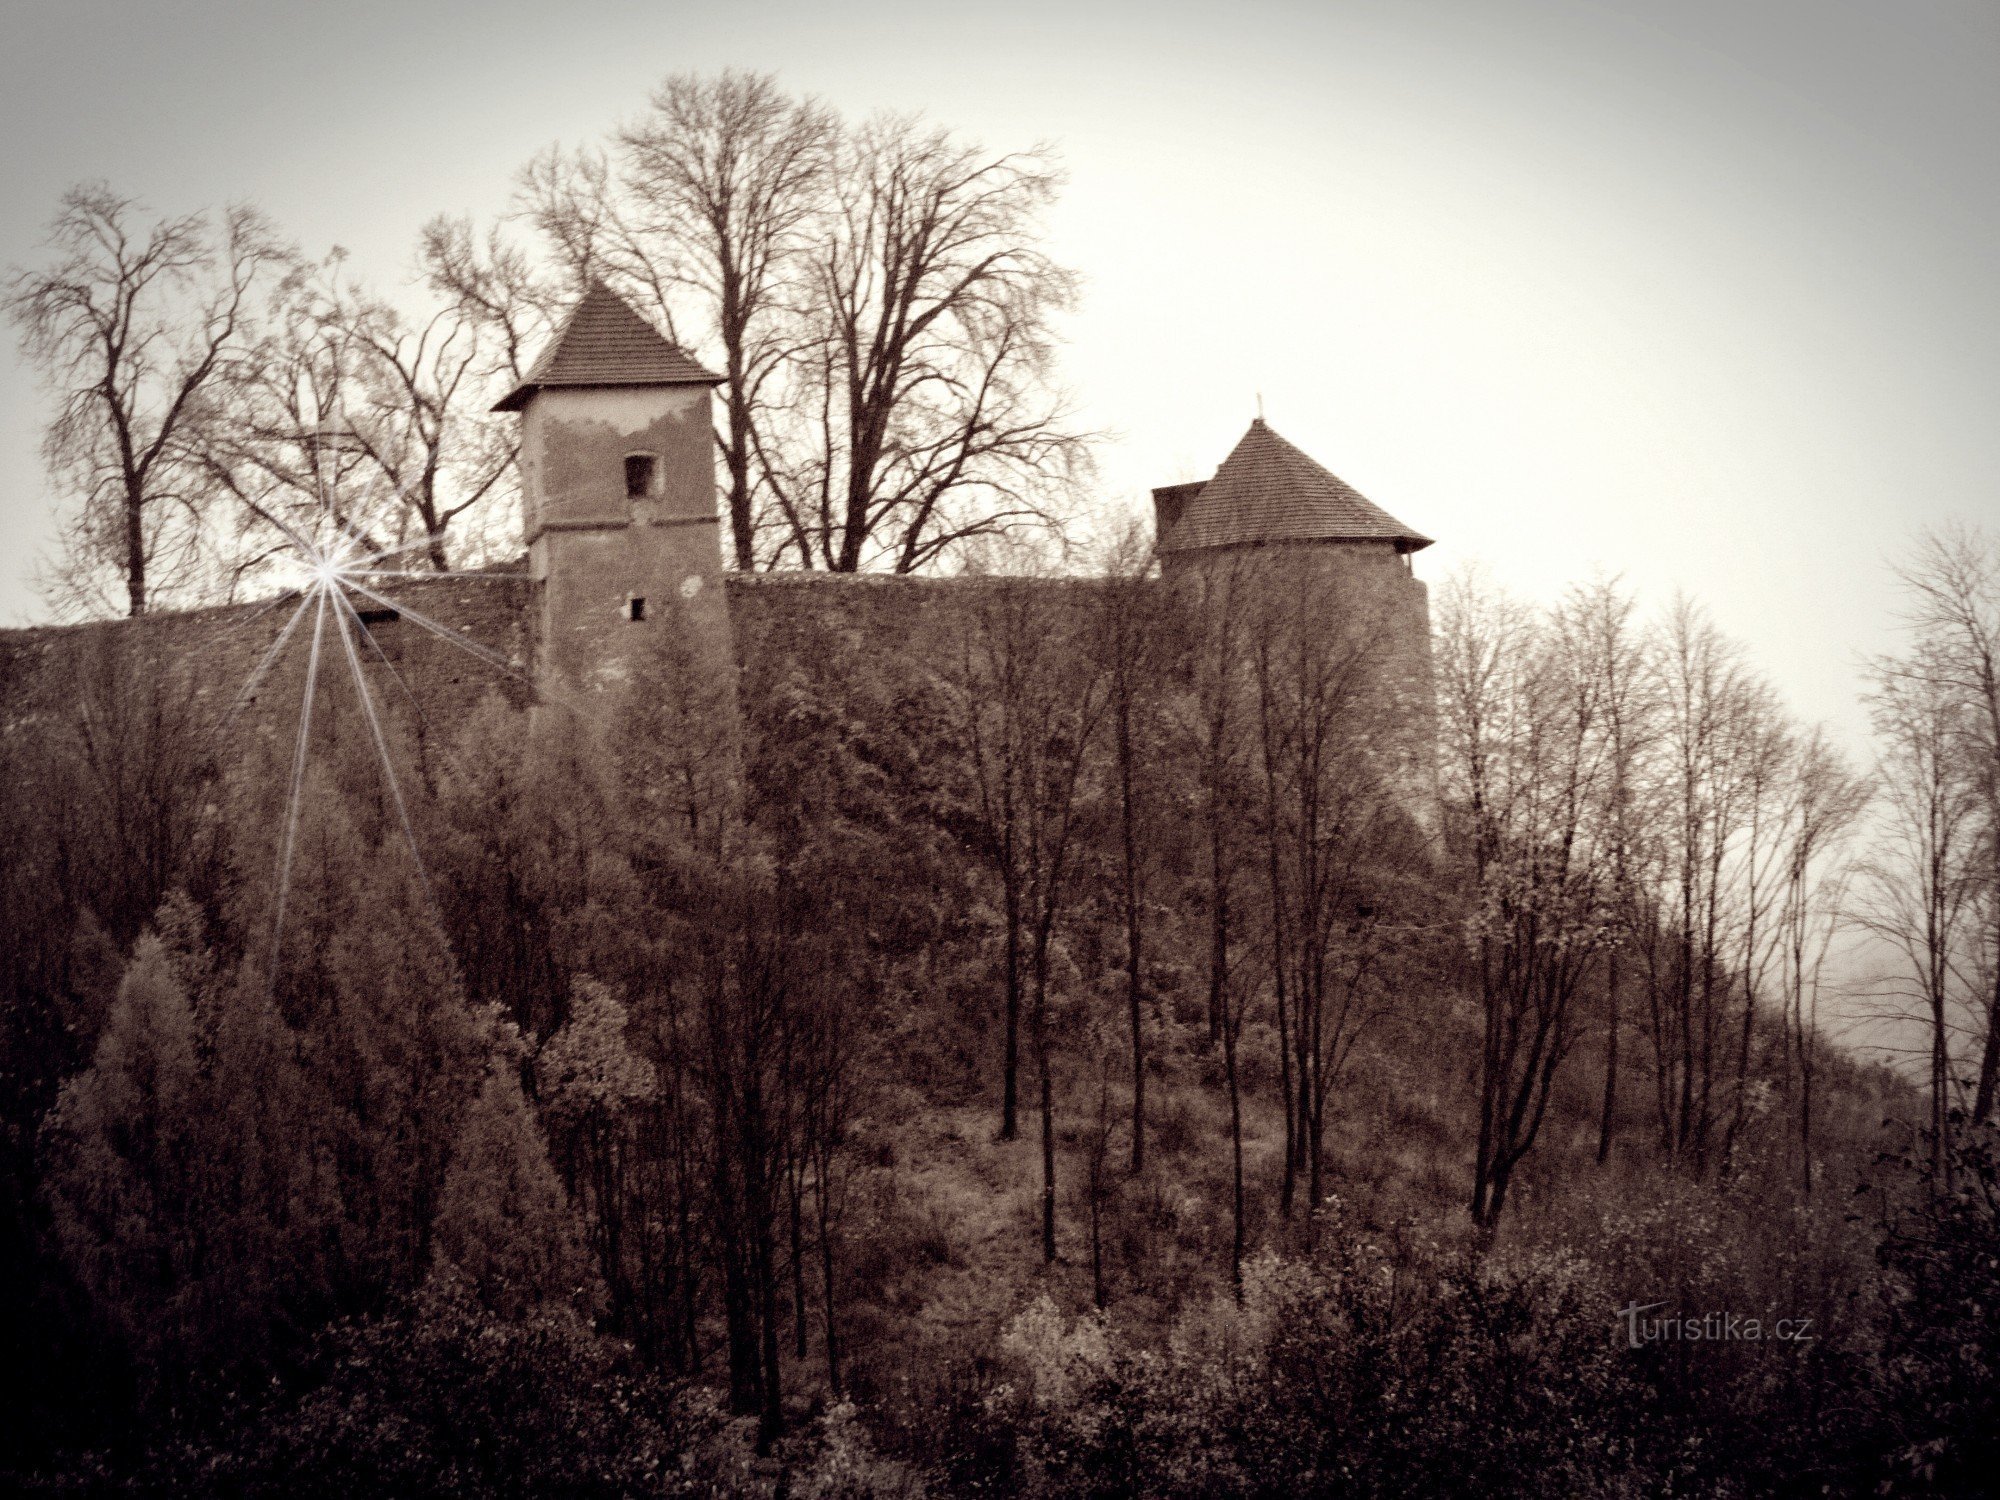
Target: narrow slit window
{"type": "Point", "coordinates": [374, 617]}
{"type": "Point", "coordinates": [635, 608]}
{"type": "Point", "coordinates": [639, 470]}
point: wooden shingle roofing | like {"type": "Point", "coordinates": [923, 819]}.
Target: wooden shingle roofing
{"type": "Point", "coordinates": [1268, 491]}
{"type": "Point", "coordinates": [604, 342]}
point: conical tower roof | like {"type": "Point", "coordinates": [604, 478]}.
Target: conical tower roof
{"type": "Point", "coordinates": [604, 342]}
{"type": "Point", "coordinates": [1268, 491]}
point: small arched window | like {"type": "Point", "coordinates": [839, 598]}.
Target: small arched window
{"type": "Point", "coordinates": [640, 470]}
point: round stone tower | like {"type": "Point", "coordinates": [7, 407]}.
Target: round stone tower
{"type": "Point", "coordinates": [1289, 545]}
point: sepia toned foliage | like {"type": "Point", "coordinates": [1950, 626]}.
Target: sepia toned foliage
{"type": "Point", "coordinates": [1331, 830]}
{"type": "Point", "coordinates": [1663, 858]}
{"type": "Point", "coordinates": [134, 323]}
{"type": "Point", "coordinates": [503, 1220]}
{"type": "Point", "coordinates": [639, 1070]}
{"type": "Point", "coordinates": [1930, 888]}
{"type": "Point", "coordinates": [603, 1098]}
{"type": "Point", "coordinates": [345, 405]}
{"type": "Point", "coordinates": [876, 296]}
{"type": "Point", "coordinates": [1032, 704]}
{"type": "Point", "coordinates": [1524, 759]}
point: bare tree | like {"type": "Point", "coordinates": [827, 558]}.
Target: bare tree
{"type": "Point", "coordinates": [1824, 800]}
{"type": "Point", "coordinates": [710, 198]}
{"type": "Point", "coordinates": [878, 297]}
{"type": "Point", "coordinates": [494, 283]}
{"type": "Point", "coordinates": [1219, 600]}
{"type": "Point", "coordinates": [1525, 761]}
{"type": "Point", "coordinates": [1217, 734]}
{"type": "Point", "coordinates": [1326, 826]}
{"type": "Point", "coordinates": [275, 437]}
{"type": "Point", "coordinates": [1599, 618]}
{"type": "Point", "coordinates": [1915, 894]}
{"type": "Point", "coordinates": [928, 412]}
{"type": "Point", "coordinates": [436, 453]}
{"type": "Point", "coordinates": [1708, 707]}
{"type": "Point", "coordinates": [130, 324]}
{"type": "Point", "coordinates": [769, 1063]}
{"type": "Point", "coordinates": [829, 1087]}
{"type": "Point", "coordinates": [1032, 698]}
{"type": "Point", "coordinates": [1951, 587]}
{"type": "Point", "coordinates": [1132, 631]}
{"type": "Point", "coordinates": [1768, 752]}
{"type": "Point", "coordinates": [349, 411]}
{"type": "Point", "coordinates": [1229, 998]}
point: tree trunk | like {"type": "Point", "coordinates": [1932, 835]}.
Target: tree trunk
{"type": "Point", "coordinates": [1218, 923]}
{"type": "Point", "coordinates": [1290, 1182]}
{"type": "Point", "coordinates": [1805, 1119]}
{"type": "Point", "coordinates": [1100, 1148]}
{"type": "Point", "coordinates": [1133, 937]}
{"type": "Point", "coordinates": [826, 1281]}
{"type": "Point", "coordinates": [1048, 1156]}
{"type": "Point", "coordinates": [1989, 1057]}
{"type": "Point", "coordinates": [1610, 1063]}
{"type": "Point", "coordinates": [1489, 1067]}
{"type": "Point", "coordinates": [1236, 1160]}
{"type": "Point", "coordinates": [135, 557]}
{"type": "Point", "coordinates": [1301, 1132]}
{"type": "Point", "coordinates": [796, 1189]}
{"type": "Point", "coordinates": [771, 1419]}
{"type": "Point", "coordinates": [736, 460]}
{"type": "Point", "coordinates": [1737, 1113]}
{"type": "Point", "coordinates": [1040, 1023]}
{"type": "Point", "coordinates": [1011, 1066]}
{"type": "Point", "coordinates": [739, 1326]}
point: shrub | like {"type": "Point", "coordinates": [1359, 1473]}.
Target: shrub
{"type": "Point", "coordinates": [1356, 1376]}
{"type": "Point", "coordinates": [447, 1399]}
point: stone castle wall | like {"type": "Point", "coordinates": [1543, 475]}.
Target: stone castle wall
{"type": "Point", "coordinates": [204, 659]}
{"type": "Point", "coordinates": [919, 618]}
{"type": "Point", "coordinates": [207, 656]}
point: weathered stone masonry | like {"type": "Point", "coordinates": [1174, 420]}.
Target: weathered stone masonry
{"type": "Point", "coordinates": [622, 527]}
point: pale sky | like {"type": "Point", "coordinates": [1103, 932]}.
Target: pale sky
{"type": "Point", "coordinates": [1699, 291]}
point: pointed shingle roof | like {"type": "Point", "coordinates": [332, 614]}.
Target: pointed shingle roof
{"type": "Point", "coordinates": [604, 342]}
{"type": "Point", "coordinates": [1268, 491]}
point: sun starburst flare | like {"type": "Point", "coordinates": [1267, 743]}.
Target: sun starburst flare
{"type": "Point", "coordinates": [329, 565]}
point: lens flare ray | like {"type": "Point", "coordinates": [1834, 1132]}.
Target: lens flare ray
{"type": "Point", "coordinates": [333, 561]}
{"type": "Point", "coordinates": [290, 839]}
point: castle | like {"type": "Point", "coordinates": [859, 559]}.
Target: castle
{"type": "Point", "coordinates": [623, 538]}
{"type": "Point", "coordinates": [620, 514]}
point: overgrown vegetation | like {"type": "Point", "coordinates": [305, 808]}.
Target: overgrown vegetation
{"type": "Point", "coordinates": [652, 1133]}
{"type": "Point", "coordinates": [1121, 1038]}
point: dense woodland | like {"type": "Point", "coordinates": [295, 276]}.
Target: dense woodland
{"type": "Point", "coordinates": [1074, 1052]}
{"type": "Point", "coordinates": [1053, 1060]}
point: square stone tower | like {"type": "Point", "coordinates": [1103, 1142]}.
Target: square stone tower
{"type": "Point", "coordinates": [619, 503]}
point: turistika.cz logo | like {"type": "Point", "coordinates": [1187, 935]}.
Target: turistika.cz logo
{"type": "Point", "coordinates": [1712, 1328]}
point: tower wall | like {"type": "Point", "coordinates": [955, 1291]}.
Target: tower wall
{"type": "Point", "coordinates": [595, 550]}
{"type": "Point", "coordinates": [1360, 596]}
